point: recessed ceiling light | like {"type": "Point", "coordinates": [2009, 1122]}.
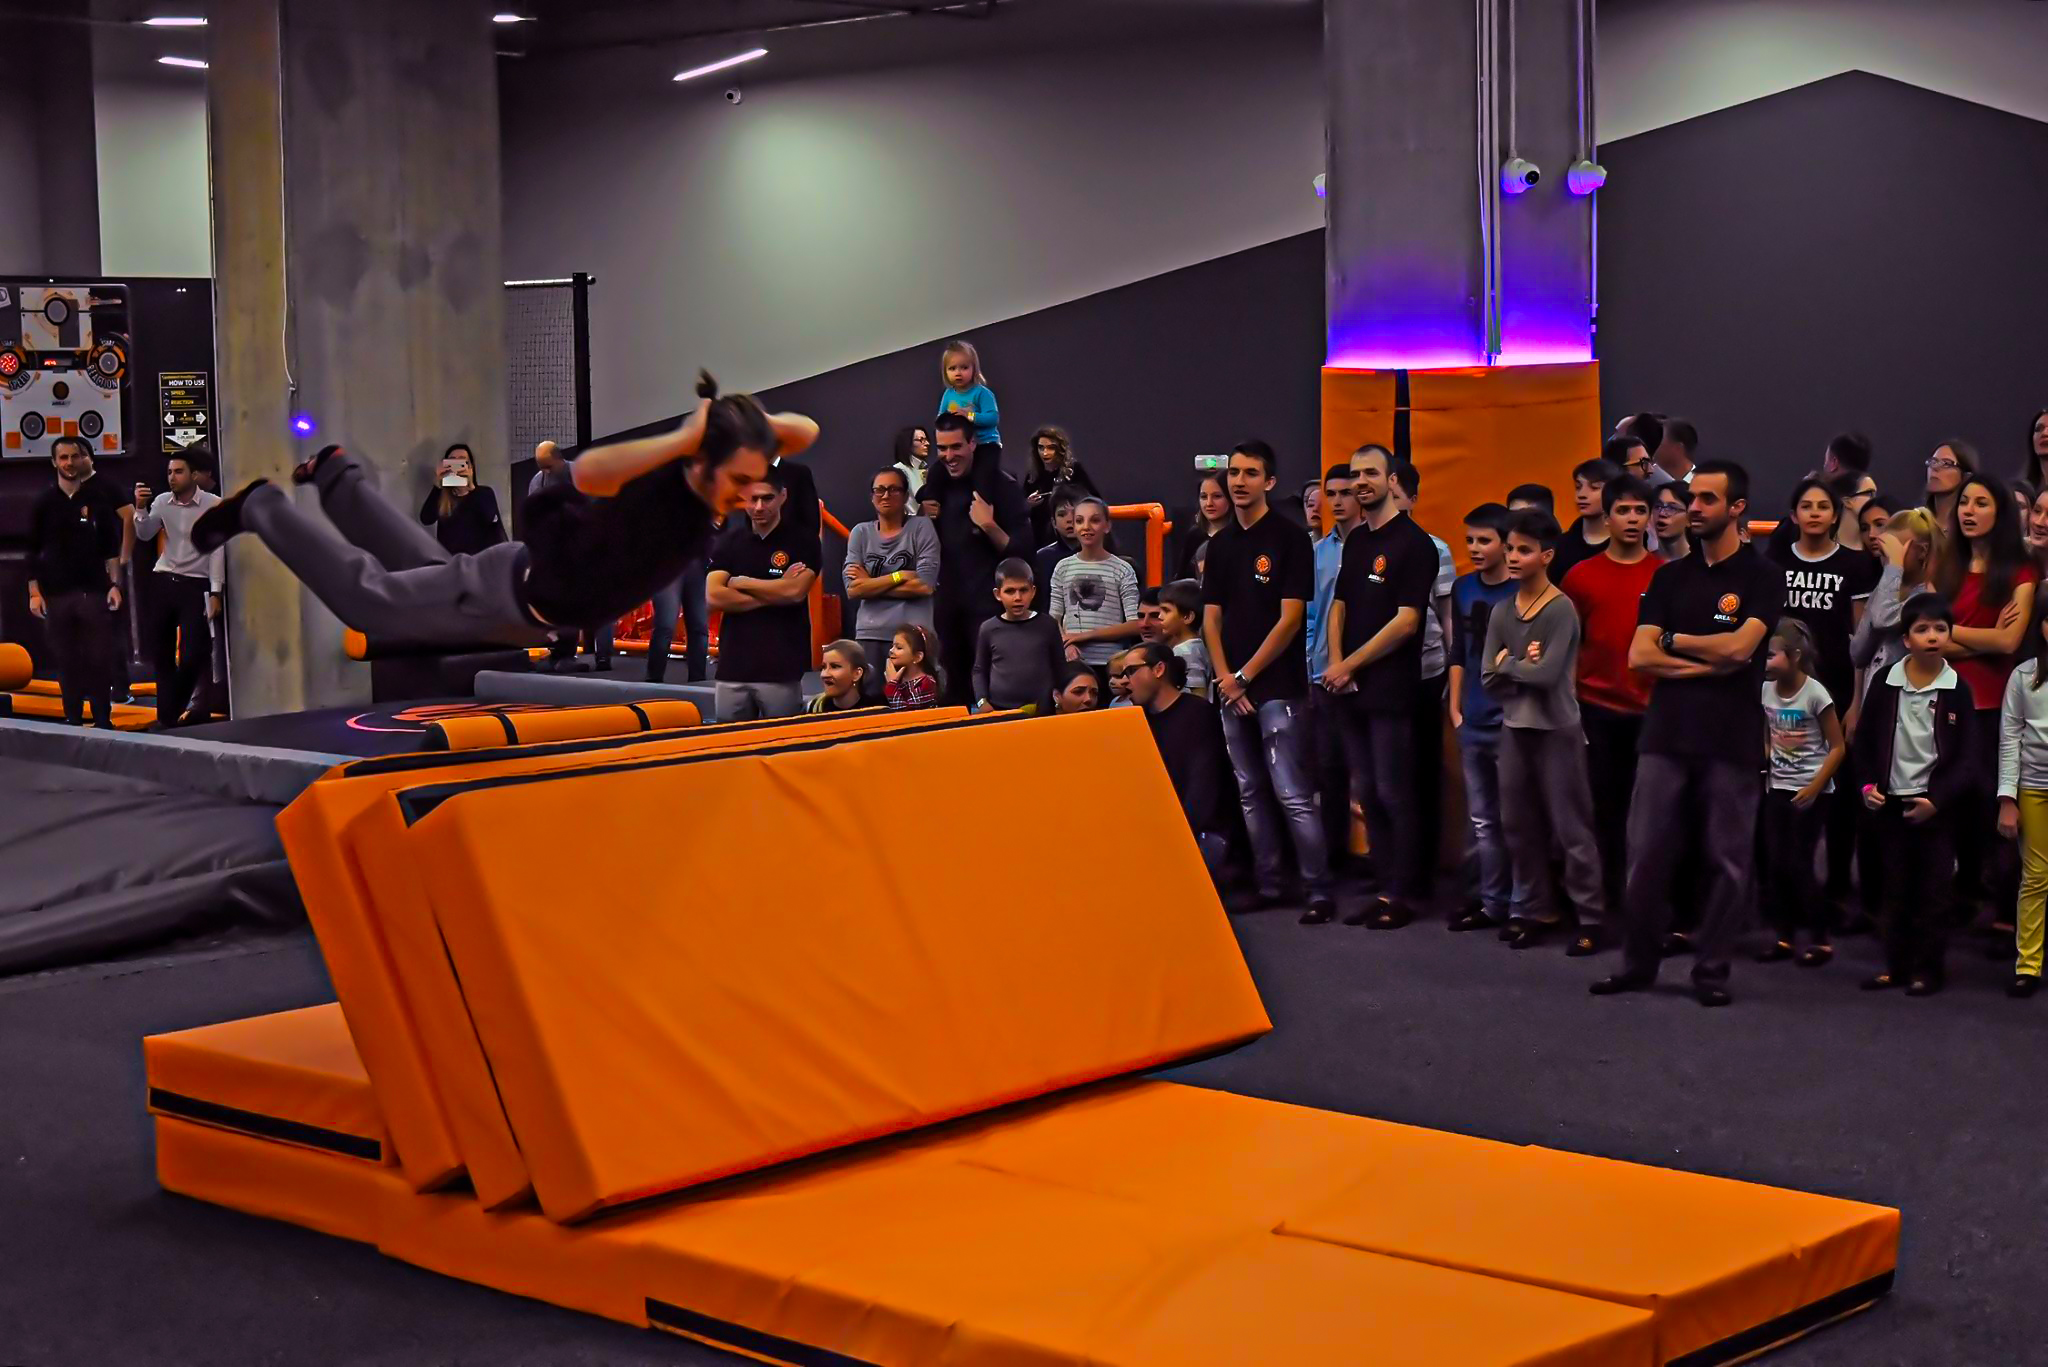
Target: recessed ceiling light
{"type": "Point", "coordinates": [511, 18]}
{"type": "Point", "coordinates": [192, 62]}
{"type": "Point", "coordinates": [174, 21]}
{"type": "Point", "coordinates": [720, 66]}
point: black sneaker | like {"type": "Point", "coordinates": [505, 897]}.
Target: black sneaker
{"type": "Point", "coordinates": [1367, 913]}
{"type": "Point", "coordinates": [1591, 940]}
{"type": "Point", "coordinates": [309, 469]}
{"type": "Point", "coordinates": [1471, 920]}
{"type": "Point", "coordinates": [1883, 982]}
{"type": "Point", "coordinates": [1321, 911]}
{"type": "Point", "coordinates": [1711, 994]}
{"type": "Point", "coordinates": [1622, 982]}
{"type": "Point", "coordinates": [1676, 943]}
{"type": "Point", "coordinates": [1779, 951]}
{"type": "Point", "coordinates": [2023, 985]}
{"type": "Point", "coordinates": [1527, 937]}
{"type": "Point", "coordinates": [1923, 987]}
{"type": "Point", "coordinates": [222, 522]}
{"type": "Point", "coordinates": [1391, 916]}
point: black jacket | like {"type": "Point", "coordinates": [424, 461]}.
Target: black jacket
{"type": "Point", "coordinates": [472, 525]}
{"type": "Point", "coordinates": [72, 537]}
{"type": "Point", "coordinates": [967, 559]}
{"type": "Point", "coordinates": [1953, 777]}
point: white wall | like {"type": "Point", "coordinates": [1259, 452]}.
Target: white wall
{"type": "Point", "coordinates": [1662, 61]}
{"type": "Point", "coordinates": [831, 219]}
{"type": "Point", "coordinates": [154, 212]}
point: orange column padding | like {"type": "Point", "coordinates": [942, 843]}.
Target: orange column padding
{"type": "Point", "coordinates": [294, 1077]}
{"type": "Point", "coordinates": [392, 1034]}
{"type": "Point", "coordinates": [1358, 410]}
{"type": "Point", "coordinates": [1475, 434]}
{"type": "Point", "coordinates": [16, 669]}
{"type": "Point", "coordinates": [787, 1014]}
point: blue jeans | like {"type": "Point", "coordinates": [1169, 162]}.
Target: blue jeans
{"type": "Point", "coordinates": [1269, 753]}
{"type": "Point", "coordinates": [1480, 751]}
{"type": "Point", "coordinates": [687, 596]}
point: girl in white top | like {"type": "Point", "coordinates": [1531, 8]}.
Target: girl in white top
{"type": "Point", "coordinates": [2023, 794]}
{"type": "Point", "coordinates": [1805, 747]}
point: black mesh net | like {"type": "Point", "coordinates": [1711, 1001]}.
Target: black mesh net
{"type": "Point", "coordinates": [542, 365]}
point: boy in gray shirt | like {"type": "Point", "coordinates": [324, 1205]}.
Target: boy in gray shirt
{"type": "Point", "coordinates": [1530, 662]}
{"type": "Point", "coordinates": [1018, 656]}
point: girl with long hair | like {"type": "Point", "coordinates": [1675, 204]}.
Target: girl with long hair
{"type": "Point", "coordinates": [2037, 449]}
{"type": "Point", "coordinates": [463, 513]}
{"type": "Point", "coordinates": [1953, 462]}
{"type": "Point", "coordinates": [913, 457]}
{"type": "Point", "coordinates": [1052, 465]}
{"type": "Point", "coordinates": [1212, 515]}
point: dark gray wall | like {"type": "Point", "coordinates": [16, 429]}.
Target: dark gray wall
{"type": "Point", "coordinates": [1854, 253]}
{"type": "Point", "coordinates": [1144, 377]}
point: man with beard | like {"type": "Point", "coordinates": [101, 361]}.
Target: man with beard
{"type": "Point", "coordinates": [1701, 635]}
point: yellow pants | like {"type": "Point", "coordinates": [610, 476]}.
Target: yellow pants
{"type": "Point", "coordinates": [2033, 877]}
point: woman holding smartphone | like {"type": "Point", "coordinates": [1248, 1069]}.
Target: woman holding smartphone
{"type": "Point", "coordinates": [463, 513]}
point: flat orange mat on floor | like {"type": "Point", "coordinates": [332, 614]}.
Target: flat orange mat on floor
{"type": "Point", "coordinates": [37, 707]}
{"type": "Point", "coordinates": [788, 1011]}
{"type": "Point", "coordinates": [394, 1033]}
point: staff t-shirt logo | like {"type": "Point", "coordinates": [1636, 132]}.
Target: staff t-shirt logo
{"type": "Point", "coordinates": [778, 562]}
{"type": "Point", "coordinates": [1262, 569]}
{"type": "Point", "coordinates": [1379, 570]}
{"type": "Point", "coordinates": [1724, 611]}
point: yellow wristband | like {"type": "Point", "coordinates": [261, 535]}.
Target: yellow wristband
{"type": "Point", "coordinates": [896, 578]}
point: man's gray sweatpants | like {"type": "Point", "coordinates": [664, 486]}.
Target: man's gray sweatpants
{"type": "Point", "coordinates": [384, 574]}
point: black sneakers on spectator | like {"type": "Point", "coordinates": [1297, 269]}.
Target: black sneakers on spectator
{"type": "Point", "coordinates": [1391, 916]}
{"type": "Point", "coordinates": [1923, 987]}
{"type": "Point", "coordinates": [1676, 943]}
{"type": "Point", "coordinates": [1469, 920]}
{"type": "Point", "coordinates": [305, 471]}
{"type": "Point", "coordinates": [222, 522]}
{"type": "Point", "coordinates": [1590, 941]}
{"type": "Point", "coordinates": [1622, 982]}
{"type": "Point", "coordinates": [1814, 956]}
{"type": "Point", "coordinates": [1883, 982]}
{"type": "Point", "coordinates": [1711, 994]}
{"type": "Point", "coordinates": [1778, 952]}
{"type": "Point", "coordinates": [1321, 911]}
{"type": "Point", "coordinates": [1528, 935]}
{"type": "Point", "coordinates": [2023, 985]}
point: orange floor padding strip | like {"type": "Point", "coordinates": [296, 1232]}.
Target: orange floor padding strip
{"type": "Point", "coordinates": [295, 1077]}
{"type": "Point", "coordinates": [359, 959]}
{"type": "Point", "coordinates": [791, 1014]}
{"type": "Point", "coordinates": [127, 716]}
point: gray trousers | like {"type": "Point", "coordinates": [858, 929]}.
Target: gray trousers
{"type": "Point", "coordinates": [1546, 802]}
{"type": "Point", "coordinates": [757, 701]}
{"type": "Point", "coordinates": [1683, 802]}
{"type": "Point", "coordinates": [384, 574]}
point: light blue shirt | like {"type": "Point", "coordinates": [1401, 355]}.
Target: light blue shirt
{"type": "Point", "coordinates": [978, 403]}
{"type": "Point", "coordinates": [1329, 560]}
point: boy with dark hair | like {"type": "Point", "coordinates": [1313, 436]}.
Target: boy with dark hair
{"type": "Point", "coordinates": [1912, 750]}
{"type": "Point", "coordinates": [1476, 713]}
{"type": "Point", "coordinates": [1190, 741]}
{"type": "Point", "coordinates": [1531, 657]}
{"type": "Point", "coordinates": [1676, 452]}
{"type": "Point", "coordinates": [1018, 655]}
{"type": "Point", "coordinates": [1586, 537]}
{"type": "Point", "coordinates": [1700, 635]}
{"type": "Point", "coordinates": [1255, 592]}
{"type": "Point", "coordinates": [1180, 621]}
{"type": "Point", "coordinates": [1669, 504]}
{"type": "Point", "coordinates": [1628, 455]}
{"type": "Point", "coordinates": [1336, 786]}
{"type": "Point", "coordinates": [1847, 451]}
{"type": "Point", "coordinates": [1429, 699]}
{"type": "Point", "coordinates": [1063, 544]}
{"type": "Point", "coordinates": [1532, 496]}
{"type": "Point", "coordinates": [1607, 591]}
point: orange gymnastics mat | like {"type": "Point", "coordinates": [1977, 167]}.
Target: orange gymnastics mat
{"type": "Point", "coordinates": [821, 1112]}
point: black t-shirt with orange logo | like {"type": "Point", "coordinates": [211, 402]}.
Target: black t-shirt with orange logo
{"type": "Point", "coordinates": [1384, 571]}
{"type": "Point", "coordinates": [1251, 570]}
{"type": "Point", "coordinates": [1716, 717]}
{"type": "Point", "coordinates": [767, 645]}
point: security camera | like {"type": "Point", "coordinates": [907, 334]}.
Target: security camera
{"type": "Point", "coordinates": [733, 95]}
{"type": "Point", "coordinates": [1519, 174]}
{"type": "Point", "coordinates": [1583, 177]}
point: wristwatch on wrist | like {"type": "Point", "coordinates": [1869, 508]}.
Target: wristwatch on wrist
{"type": "Point", "coordinates": [1242, 681]}
{"type": "Point", "coordinates": [1665, 642]}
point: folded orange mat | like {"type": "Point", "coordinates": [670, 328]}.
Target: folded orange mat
{"type": "Point", "coordinates": [786, 1013]}
{"type": "Point", "coordinates": [498, 729]}
{"type": "Point", "coordinates": [393, 1033]}
{"type": "Point", "coordinates": [294, 1077]}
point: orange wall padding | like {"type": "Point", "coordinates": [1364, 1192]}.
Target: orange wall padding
{"type": "Point", "coordinates": [16, 669]}
{"type": "Point", "coordinates": [296, 1067]}
{"type": "Point", "coordinates": [487, 731]}
{"type": "Point", "coordinates": [387, 1028]}
{"type": "Point", "coordinates": [1475, 434]}
{"type": "Point", "coordinates": [787, 1012]}
{"type": "Point", "coordinates": [1358, 409]}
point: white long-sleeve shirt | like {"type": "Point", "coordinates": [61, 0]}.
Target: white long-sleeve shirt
{"type": "Point", "coordinates": [2023, 734]}
{"type": "Point", "coordinates": [174, 520]}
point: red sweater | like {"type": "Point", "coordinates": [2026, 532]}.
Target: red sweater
{"type": "Point", "coordinates": [1608, 595]}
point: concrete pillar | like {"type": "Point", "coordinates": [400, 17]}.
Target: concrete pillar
{"type": "Point", "coordinates": [358, 291]}
{"type": "Point", "coordinates": [1437, 284]}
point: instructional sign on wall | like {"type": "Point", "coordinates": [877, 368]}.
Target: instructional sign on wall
{"type": "Point", "coordinates": [183, 407]}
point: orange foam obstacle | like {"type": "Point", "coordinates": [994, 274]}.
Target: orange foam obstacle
{"type": "Point", "coordinates": [700, 1026]}
{"type": "Point", "coordinates": [495, 730]}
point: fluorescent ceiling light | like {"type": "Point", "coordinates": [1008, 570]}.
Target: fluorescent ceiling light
{"type": "Point", "coordinates": [511, 18]}
{"type": "Point", "coordinates": [192, 62]}
{"type": "Point", "coordinates": [720, 66]}
{"type": "Point", "coordinates": [174, 21]}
